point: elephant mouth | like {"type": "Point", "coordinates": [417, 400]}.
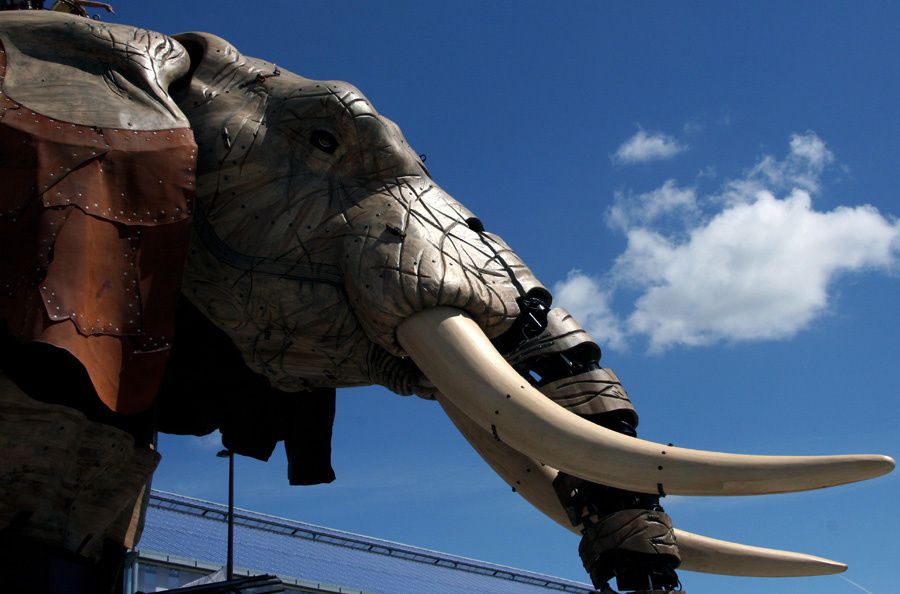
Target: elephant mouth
{"type": "Point", "coordinates": [492, 404]}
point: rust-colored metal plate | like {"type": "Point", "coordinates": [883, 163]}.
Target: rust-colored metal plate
{"type": "Point", "coordinates": [94, 229]}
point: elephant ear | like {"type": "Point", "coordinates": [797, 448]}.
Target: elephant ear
{"type": "Point", "coordinates": [99, 168]}
{"type": "Point", "coordinates": [92, 73]}
{"type": "Point", "coordinates": [225, 97]}
{"type": "Point", "coordinates": [208, 384]}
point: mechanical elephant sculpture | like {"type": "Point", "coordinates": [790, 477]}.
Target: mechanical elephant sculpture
{"type": "Point", "coordinates": [195, 227]}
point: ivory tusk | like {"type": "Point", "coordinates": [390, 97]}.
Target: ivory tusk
{"type": "Point", "coordinates": [457, 357]}
{"type": "Point", "coordinates": [710, 555]}
{"type": "Point", "coordinates": [533, 481]}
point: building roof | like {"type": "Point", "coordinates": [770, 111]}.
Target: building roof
{"type": "Point", "coordinates": [186, 529]}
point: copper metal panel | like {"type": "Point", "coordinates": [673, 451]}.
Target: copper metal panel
{"type": "Point", "coordinates": [126, 285]}
{"type": "Point", "coordinates": [125, 378]}
{"type": "Point", "coordinates": [131, 177]}
{"type": "Point", "coordinates": [143, 178]}
{"type": "Point", "coordinates": [100, 292]}
{"type": "Point", "coordinates": [99, 220]}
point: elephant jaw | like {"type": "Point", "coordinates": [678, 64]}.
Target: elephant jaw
{"type": "Point", "coordinates": [456, 356]}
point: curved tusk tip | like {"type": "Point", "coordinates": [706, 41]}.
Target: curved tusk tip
{"type": "Point", "coordinates": [871, 466]}
{"type": "Point", "coordinates": [882, 464]}
{"type": "Point", "coordinates": [710, 555]}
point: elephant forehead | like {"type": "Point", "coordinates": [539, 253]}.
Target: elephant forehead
{"type": "Point", "coordinates": [349, 97]}
{"type": "Point", "coordinates": [338, 106]}
{"type": "Point", "coordinates": [291, 93]}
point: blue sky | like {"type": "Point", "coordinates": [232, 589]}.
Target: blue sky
{"type": "Point", "coordinates": [712, 187]}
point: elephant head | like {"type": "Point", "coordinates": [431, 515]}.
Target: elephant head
{"type": "Point", "coordinates": [327, 253]}
{"type": "Point", "coordinates": [319, 229]}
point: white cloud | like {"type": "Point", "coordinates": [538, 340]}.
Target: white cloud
{"type": "Point", "coordinates": [746, 265]}
{"type": "Point", "coordinates": [802, 168]}
{"type": "Point", "coordinates": [647, 147]}
{"type": "Point", "coordinates": [584, 298]}
{"type": "Point", "coordinates": [668, 200]}
{"type": "Point", "coordinates": [755, 271]}
{"type": "Point", "coordinates": [708, 172]}
{"type": "Point", "coordinates": [812, 149]}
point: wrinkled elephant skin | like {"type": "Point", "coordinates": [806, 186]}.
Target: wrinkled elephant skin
{"type": "Point", "coordinates": [320, 228]}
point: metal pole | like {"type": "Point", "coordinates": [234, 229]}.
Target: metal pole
{"type": "Point", "coordinates": [229, 563]}
{"type": "Point", "coordinates": [229, 570]}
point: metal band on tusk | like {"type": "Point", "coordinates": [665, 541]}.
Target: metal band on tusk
{"type": "Point", "coordinates": [454, 353]}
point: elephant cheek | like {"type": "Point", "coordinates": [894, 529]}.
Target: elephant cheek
{"type": "Point", "coordinates": [388, 281]}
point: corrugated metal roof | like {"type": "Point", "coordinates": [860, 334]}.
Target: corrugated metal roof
{"type": "Point", "coordinates": [179, 526]}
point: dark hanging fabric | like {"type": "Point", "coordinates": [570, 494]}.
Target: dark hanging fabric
{"type": "Point", "coordinates": [207, 386]}
{"type": "Point", "coordinates": [307, 438]}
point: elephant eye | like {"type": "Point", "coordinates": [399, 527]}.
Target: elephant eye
{"type": "Point", "coordinates": [324, 141]}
